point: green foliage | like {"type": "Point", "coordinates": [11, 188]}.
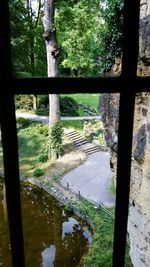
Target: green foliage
{"type": "Point", "coordinates": [43, 129]}
{"type": "Point", "coordinates": [31, 144]}
{"type": "Point", "coordinates": [28, 48]}
{"type": "Point", "coordinates": [23, 123]}
{"type": "Point", "coordinates": [43, 112]}
{"type": "Point", "coordinates": [56, 178]}
{"type": "Point", "coordinates": [111, 34]}
{"type": "Point", "coordinates": [100, 253]}
{"type": "Point", "coordinates": [43, 158]}
{"type": "Point", "coordinates": [24, 102]}
{"type": "Point", "coordinates": [42, 101]}
{"type": "Point", "coordinates": [113, 187]}
{"type": "Point", "coordinates": [88, 110]}
{"type": "Point", "coordinates": [68, 106]}
{"type": "Point", "coordinates": [77, 125]}
{"type": "Point", "coordinates": [56, 133]}
{"type": "Point", "coordinates": [69, 207]}
{"type": "Point", "coordinates": [38, 172]}
{"type": "Point", "coordinates": [94, 131]}
{"type": "Point", "coordinates": [78, 29]}
{"type": "Point", "coordinates": [87, 99]}
{"type": "Point", "coordinates": [89, 32]}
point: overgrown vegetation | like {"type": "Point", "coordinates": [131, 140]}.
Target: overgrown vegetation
{"type": "Point", "coordinates": [32, 141]}
{"type": "Point", "coordinates": [88, 99]}
{"type": "Point", "coordinates": [113, 187]}
{"type": "Point", "coordinates": [68, 106]}
{"type": "Point", "coordinates": [76, 125]}
{"type": "Point", "coordinates": [33, 152]}
{"type": "Point", "coordinates": [111, 34]}
{"type": "Point", "coordinates": [94, 132]}
{"type": "Point", "coordinates": [100, 252]}
{"type": "Point", "coordinates": [55, 142]}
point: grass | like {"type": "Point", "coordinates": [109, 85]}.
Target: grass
{"type": "Point", "coordinates": [113, 188]}
{"type": "Point", "coordinates": [89, 99]}
{"type": "Point", "coordinates": [32, 143]}
{"type": "Point", "coordinates": [100, 253]}
{"type": "Point", "coordinates": [77, 125]}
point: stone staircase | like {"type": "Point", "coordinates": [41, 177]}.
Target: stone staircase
{"type": "Point", "coordinates": [82, 143]}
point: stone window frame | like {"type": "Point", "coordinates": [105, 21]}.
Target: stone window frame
{"type": "Point", "coordinates": [127, 84]}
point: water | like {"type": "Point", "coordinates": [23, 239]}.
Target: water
{"type": "Point", "coordinates": [52, 238]}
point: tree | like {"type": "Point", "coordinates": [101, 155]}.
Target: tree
{"type": "Point", "coordinates": [112, 33]}
{"type": "Point", "coordinates": [27, 46]}
{"type": "Point", "coordinates": [52, 51]}
{"type": "Point", "coordinates": [78, 25]}
{"type": "Point", "coordinates": [28, 55]}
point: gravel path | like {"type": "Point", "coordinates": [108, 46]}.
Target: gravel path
{"type": "Point", "coordinates": [93, 179]}
{"type": "Point", "coordinates": [45, 119]}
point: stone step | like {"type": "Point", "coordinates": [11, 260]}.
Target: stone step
{"type": "Point", "coordinates": [91, 150]}
{"type": "Point", "coordinates": [71, 133]}
{"type": "Point", "coordinates": [74, 136]}
{"type": "Point", "coordinates": [77, 138]}
{"type": "Point", "coordinates": [80, 143]}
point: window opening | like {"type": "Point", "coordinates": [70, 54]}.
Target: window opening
{"type": "Point", "coordinates": [127, 84]}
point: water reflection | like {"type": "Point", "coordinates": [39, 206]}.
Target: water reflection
{"type": "Point", "coordinates": [48, 256]}
{"type": "Point", "coordinates": [52, 238]}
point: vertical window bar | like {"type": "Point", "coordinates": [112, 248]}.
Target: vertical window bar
{"type": "Point", "coordinates": [11, 168]}
{"type": "Point", "coordinates": [123, 176]}
{"type": "Point", "coordinates": [126, 113]}
{"type": "Point", "coordinates": [130, 39]}
{"type": "Point", "coordinates": [9, 142]}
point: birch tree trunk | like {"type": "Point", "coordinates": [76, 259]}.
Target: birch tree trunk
{"type": "Point", "coordinates": [52, 51]}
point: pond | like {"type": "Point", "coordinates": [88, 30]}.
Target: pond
{"type": "Point", "coordinates": [51, 236]}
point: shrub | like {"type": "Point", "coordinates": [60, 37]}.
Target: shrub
{"type": "Point", "coordinates": [43, 129]}
{"type": "Point", "coordinates": [88, 110]}
{"type": "Point", "coordinates": [24, 102]}
{"type": "Point", "coordinates": [23, 123]}
{"type": "Point", "coordinates": [68, 106]}
{"type": "Point", "coordinates": [43, 101]}
{"type": "Point", "coordinates": [43, 158]}
{"type": "Point", "coordinates": [38, 172]}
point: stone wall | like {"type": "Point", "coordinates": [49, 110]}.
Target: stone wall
{"type": "Point", "coordinates": [139, 206]}
{"type": "Point", "coordinates": [139, 212]}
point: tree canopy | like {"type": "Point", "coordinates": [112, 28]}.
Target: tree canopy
{"type": "Point", "coordinates": [28, 48]}
{"type": "Point", "coordinates": [88, 32]}
{"type": "Point", "coordinates": [111, 34]}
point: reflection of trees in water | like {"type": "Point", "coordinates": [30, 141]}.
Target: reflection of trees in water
{"type": "Point", "coordinates": [74, 246]}
{"type": "Point", "coordinates": [44, 236]}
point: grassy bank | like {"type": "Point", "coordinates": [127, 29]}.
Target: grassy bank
{"type": "Point", "coordinates": [76, 125]}
{"type": "Point", "coordinates": [100, 253]}
{"type": "Point", "coordinates": [33, 146]}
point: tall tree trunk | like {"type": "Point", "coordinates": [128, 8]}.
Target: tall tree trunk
{"type": "Point", "coordinates": [52, 51]}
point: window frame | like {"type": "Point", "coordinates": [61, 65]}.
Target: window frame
{"type": "Point", "coordinates": [127, 84]}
